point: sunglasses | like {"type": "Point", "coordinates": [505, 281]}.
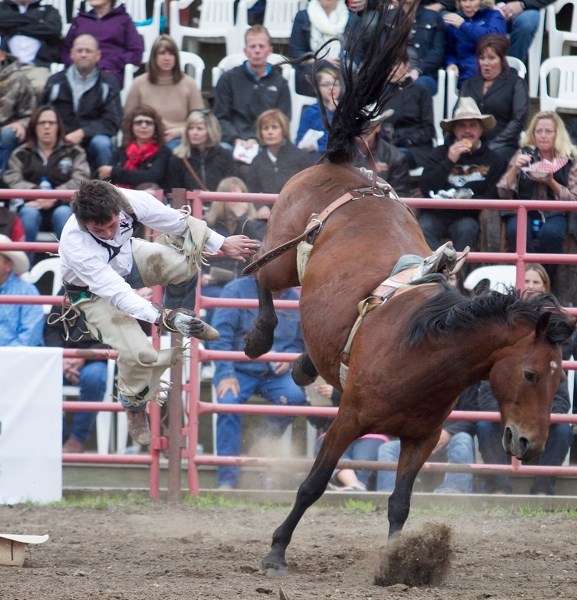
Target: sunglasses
{"type": "Point", "coordinates": [143, 122]}
{"type": "Point", "coordinates": [202, 111]}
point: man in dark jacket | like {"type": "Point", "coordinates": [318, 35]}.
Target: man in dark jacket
{"type": "Point", "coordinates": [88, 101]}
{"type": "Point", "coordinates": [33, 31]}
{"type": "Point", "coordinates": [243, 93]}
{"type": "Point", "coordinates": [464, 167]}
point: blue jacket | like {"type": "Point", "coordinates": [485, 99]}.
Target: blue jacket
{"type": "Point", "coordinates": [462, 42]}
{"type": "Point", "coordinates": [313, 119]}
{"type": "Point", "coordinates": [234, 323]}
{"type": "Point", "coordinates": [20, 324]}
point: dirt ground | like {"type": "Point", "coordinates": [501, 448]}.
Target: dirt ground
{"type": "Point", "coordinates": [169, 551]}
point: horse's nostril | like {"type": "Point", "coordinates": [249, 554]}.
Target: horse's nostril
{"type": "Point", "coordinates": [508, 436]}
{"type": "Point", "coordinates": [523, 446]}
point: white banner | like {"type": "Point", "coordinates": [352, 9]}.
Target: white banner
{"type": "Point", "coordinates": [30, 425]}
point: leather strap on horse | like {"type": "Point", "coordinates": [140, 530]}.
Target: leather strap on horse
{"type": "Point", "coordinates": [313, 227]}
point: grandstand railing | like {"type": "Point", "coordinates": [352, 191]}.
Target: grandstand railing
{"type": "Point", "coordinates": [195, 407]}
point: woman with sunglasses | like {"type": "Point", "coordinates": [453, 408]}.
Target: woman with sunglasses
{"type": "Point", "coordinates": [164, 86]}
{"type": "Point", "coordinates": [200, 162]}
{"type": "Point", "coordinates": [143, 157]}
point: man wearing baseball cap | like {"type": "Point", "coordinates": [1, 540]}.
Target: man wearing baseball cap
{"type": "Point", "coordinates": [20, 324]}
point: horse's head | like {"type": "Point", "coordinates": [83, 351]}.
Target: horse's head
{"type": "Point", "coordinates": [524, 378]}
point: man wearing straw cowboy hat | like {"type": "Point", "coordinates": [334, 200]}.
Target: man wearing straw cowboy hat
{"type": "Point", "coordinates": [463, 167]}
{"type": "Point", "coordinates": [20, 324]}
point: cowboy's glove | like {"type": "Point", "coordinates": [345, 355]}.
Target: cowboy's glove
{"type": "Point", "coordinates": [185, 322]}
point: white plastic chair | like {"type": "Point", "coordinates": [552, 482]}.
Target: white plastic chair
{"type": "Point", "coordinates": [561, 40]}
{"type": "Point", "coordinates": [563, 95]}
{"type": "Point", "coordinates": [216, 19]}
{"type": "Point", "coordinates": [39, 270]}
{"type": "Point", "coordinates": [189, 59]}
{"type": "Point", "coordinates": [500, 277]}
{"type": "Point", "coordinates": [535, 52]}
{"type": "Point", "coordinates": [439, 100]}
{"type": "Point", "coordinates": [518, 65]}
{"type": "Point", "coordinates": [278, 19]}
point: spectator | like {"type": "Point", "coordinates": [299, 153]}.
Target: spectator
{"type": "Point", "coordinates": [522, 22]}
{"type": "Point", "coordinates": [246, 91]}
{"type": "Point", "coordinates": [235, 382]}
{"type": "Point", "coordinates": [560, 434]}
{"type": "Point", "coordinates": [89, 375]}
{"type": "Point", "coordinates": [172, 93]}
{"type": "Point", "coordinates": [365, 448]}
{"type": "Point", "coordinates": [33, 30]}
{"type": "Point", "coordinates": [255, 13]}
{"type": "Point", "coordinates": [88, 101]}
{"type": "Point", "coordinates": [10, 223]}
{"type": "Point", "coordinates": [329, 86]}
{"type": "Point", "coordinates": [411, 125]}
{"type": "Point", "coordinates": [499, 91]}
{"type": "Point", "coordinates": [20, 324]}
{"type": "Point", "coordinates": [278, 158]}
{"type": "Point", "coordinates": [143, 157]}
{"type": "Point", "coordinates": [17, 101]}
{"type": "Point", "coordinates": [464, 30]}
{"type": "Point", "coordinates": [456, 446]}
{"type": "Point", "coordinates": [45, 155]}
{"type": "Point", "coordinates": [102, 264]}
{"type": "Point", "coordinates": [390, 162]}
{"type": "Point", "coordinates": [464, 166]}
{"type": "Point", "coordinates": [119, 41]}
{"type": "Point", "coordinates": [544, 169]}
{"type": "Point", "coordinates": [426, 45]}
{"type": "Point", "coordinates": [200, 162]}
{"type": "Point", "coordinates": [321, 21]}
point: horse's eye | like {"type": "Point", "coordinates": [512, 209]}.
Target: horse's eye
{"type": "Point", "coordinates": [530, 376]}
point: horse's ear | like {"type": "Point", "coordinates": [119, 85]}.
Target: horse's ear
{"type": "Point", "coordinates": [542, 324]}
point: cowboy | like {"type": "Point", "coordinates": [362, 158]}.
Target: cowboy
{"type": "Point", "coordinates": [463, 167]}
{"type": "Point", "coordinates": [20, 324]}
{"type": "Point", "coordinates": [102, 264]}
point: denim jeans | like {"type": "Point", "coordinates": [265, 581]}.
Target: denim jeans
{"type": "Point", "coordinates": [92, 385]}
{"type": "Point", "coordinates": [280, 389]}
{"type": "Point", "coordinates": [522, 31]}
{"type": "Point", "coordinates": [429, 82]}
{"type": "Point", "coordinates": [462, 231]}
{"type": "Point", "coordinates": [460, 450]}
{"type": "Point", "coordinates": [99, 151]}
{"type": "Point", "coordinates": [492, 452]}
{"type": "Point", "coordinates": [8, 142]}
{"type": "Point", "coordinates": [52, 220]}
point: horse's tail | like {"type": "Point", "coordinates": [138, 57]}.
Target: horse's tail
{"type": "Point", "coordinates": [366, 85]}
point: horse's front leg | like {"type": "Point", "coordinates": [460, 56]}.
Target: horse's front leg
{"type": "Point", "coordinates": [337, 440]}
{"type": "Point", "coordinates": [412, 457]}
{"type": "Point", "coordinates": [260, 338]}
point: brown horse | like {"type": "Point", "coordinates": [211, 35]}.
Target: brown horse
{"type": "Point", "coordinates": [413, 353]}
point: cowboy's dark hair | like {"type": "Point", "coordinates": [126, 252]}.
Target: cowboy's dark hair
{"type": "Point", "coordinates": [96, 201]}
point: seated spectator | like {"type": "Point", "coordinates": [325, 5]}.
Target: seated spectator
{"type": "Point", "coordinates": [321, 21]}
{"type": "Point", "coordinates": [456, 446]}
{"type": "Point", "coordinates": [88, 101]}
{"type": "Point", "coordinates": [143, 157]}
{"type": "Point", "coordinates": [411, 125]}
{"type": "Point", "coordinates": [165, 87]}
{"type": "Point", "coordinates": [426, 46]}
{"type": "Point", "coordinates": [33, 30]}
{"type": "Point", "coordinates": [246, 91]}
{"type": "Point", "coordinates": [329, 86]}
{"type": "Point", "coordinates": [18, 100]}
{"type": "Point", "coordinates": [544, 169]}
{"type": "Point", "coordinates": [20, 324]}
{"type": "Point", "coordinates": [464, 30]}
{"type": "Point", "coordinates": [45, 155]}
{"type": "Point", "coordinates": [560, 434]}
{"type": "Point", "coordinates": [365, 448]}
{"type": "Point", "coordinates": [89, 375]}
{"type": "Point", "coordinates": [464, 166]}
{"type": "Point", "coordinates": [390, 162]}
{"type": "Point", "coordinates": [200, 162]}
{"type": "Point", "coordinates": [119, 41]}
{"type": "Point", "coordinates": [278, 158]}
{"type": "Point", "coordinates": [10, 223]}
{"type": "Point", "coordinates": [499, 91]}
{"type": "Point", "coordinates": [235, 382]}
{"type": "Point", "coordinates": [230, 218]}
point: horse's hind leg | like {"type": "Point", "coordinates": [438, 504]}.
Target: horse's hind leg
{"type": "Point", "coordinates": [337, 440]}
{"type": "Point", "coordinates": [303, 371]}
{"type": "Point", "coordinates": [260, 338]}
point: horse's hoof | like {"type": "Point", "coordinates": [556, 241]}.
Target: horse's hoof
{"type": "Point", "coordinates": [303, 370]}
{"type": "Point", "coordinates": [275, 572]}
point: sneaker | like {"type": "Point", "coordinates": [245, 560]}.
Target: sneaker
{"type": "Point", "coordinates": [73, 446]}
{"type": "Point", "coordinates": [138, 427]}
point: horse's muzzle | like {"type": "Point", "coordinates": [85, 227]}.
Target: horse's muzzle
{"type": "Point", "coordinates": [519, 445]}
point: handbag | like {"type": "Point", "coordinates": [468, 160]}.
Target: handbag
{"type": "Point", "coordinates": [194, 175]}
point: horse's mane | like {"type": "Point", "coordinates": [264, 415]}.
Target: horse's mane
{"type": "Point", "coordinates": [366, 85]}
{"type": "Point", "coordinates": [450, 312]}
